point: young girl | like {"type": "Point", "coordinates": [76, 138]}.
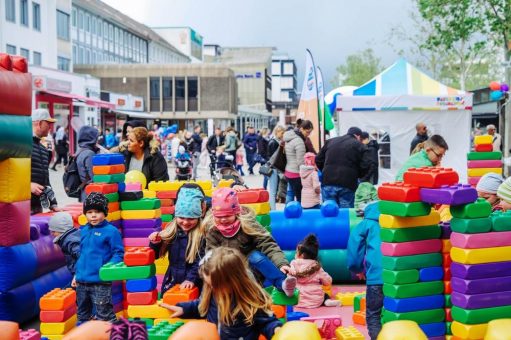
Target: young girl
{"type": "Point", "coordinates": [184, 241]}
{"type": "Point", "coordinates": [239, 161]}
{"type": "Point", "coordinates": [310, 182]}
{"type": "Point", "coordinates": [233, 226]}
{"type": "Point", "coordinates": [311, 276]}
{"type": "Point", "coordinates": [231, 298]}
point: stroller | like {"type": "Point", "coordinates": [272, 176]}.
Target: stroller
{"type": "Point", "coordinates": [183, 165]}
{"type": "Point", "coordinates": [224, 169]}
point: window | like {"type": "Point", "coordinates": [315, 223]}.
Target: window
{"type": "Point", "coordinates": [24, 12]}
{"type": "Point", "coordinates": [80, 56]}
{"type": "Point", "coordinates": [80, 20]}
{"type": "Point", "coordinates": [87, 57]}
{"type": "Point", "coordinates": [10, 11]}
{"type": "Point", "coordinates": [75, 54]}
{"type": "Point", "coordinates": [93, 27]}
{"type": "Point", "coordinates": [36, 16]}
{"type": "Point", "coordinates": [180, 94]}
{"type": "Point", "coordinates": [63, 63]}
{"type": "Point", "coordinates": [87, 23]}
{"type": "Point", "coordinates": [192, 94]}
{"type": "Point", "coordinates": [11, 49]}
{"type": "Point", "coordinates": [99, 30]}
{"type": "Point", "coordinates": [37, 59]}
{"type": "Point", "coordinates": [63, 25]}
{"type": "Point", "coordinates": [286, 82]}
{"type": "Point", "coordinates": [167, 94]}
{"type": "Point", "coordinates": [74, 17]}
{"type": "Point", "coordinates": [275, 68]}
{"type": "Point", "coordinates": [154, 85]}
{"type": "Point", "coordinates": [288, 69]}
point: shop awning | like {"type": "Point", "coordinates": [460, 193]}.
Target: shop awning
{"type": "Point", "coordinates": [68, 97]}
{"type": "Point", "coordinates": [137, 114]}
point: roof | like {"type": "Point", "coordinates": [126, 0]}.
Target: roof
{"type": "Point", "coordinates": [245, 55]}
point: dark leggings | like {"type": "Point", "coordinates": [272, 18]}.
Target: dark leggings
{"type": "Point", "coordinates": [296, 185]}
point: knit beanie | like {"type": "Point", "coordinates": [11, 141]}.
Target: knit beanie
{"type": "Point", "coordinates": [504, 190]}
{"type": "Point", "coordinates": [189, 203]}
{"type": "Point", "coordinates": [225, 202]}
{"type": "Point", "coordinates": [309, 159]}
{"type": "Point", "coordinates": [97, 201]}
{"type": "Point", "coordinates": [61, 222]}
{"type": "Point", "coordinates": [489, 183]}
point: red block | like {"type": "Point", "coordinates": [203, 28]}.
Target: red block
{"type": "Point", "coordinates": [57, 315]}
{"type": "Point", "coordinates": [253, 196]}
{"type": "Point", "coordinates": [431, 177]}
{"type": "Point", "coordinates": [15, 89]}
{"type": "Point", "coordinates": [166, 194]}
{"type": "Point", "coordinates": [484, 148]}
{"type": "Point", "coordinates": [447, 273]}
{"type": "Point", "coordinates": [446, 260]}
{"type": "Point", "coordinates": [448, 316]}
{"type": "Point", "coordinates": [142, 298]}
{"type": "Point", "coordinates": [447, 287]}
{"type": "Point", "coordinates": [167, 202]}
{"type": "Point", "coordinates": [104, 188]}
{"type": "Point", "coordinates": [139, 256]}
{"type": "Point", "coordinates": [399, 192]}
{"type": "Point", "coordinates": [114, 206]}
{"type": "Point", "coordinates": [167, 210]}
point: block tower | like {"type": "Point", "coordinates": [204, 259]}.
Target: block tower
{"type": "Point", "coordinates": [483, 159]}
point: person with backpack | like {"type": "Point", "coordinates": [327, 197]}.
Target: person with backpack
{"type": "Point", "coordinates": [231, 141]}
{"type": "Point", "coordinates": [87, 139]}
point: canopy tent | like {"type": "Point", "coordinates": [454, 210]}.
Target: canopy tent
{"type": "Point", "coordinates": [392, 103]}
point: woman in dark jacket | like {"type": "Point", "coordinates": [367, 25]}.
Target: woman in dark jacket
{"type": "Point", "coordinates": [87, 139]}
{"type": "Point", "coordinates": [144, 155]}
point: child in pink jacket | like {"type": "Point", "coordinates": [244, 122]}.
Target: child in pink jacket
{"type": "Point", "coordinates": [310, 275]}
{"type": "Point", "coordinates": [311, 187]}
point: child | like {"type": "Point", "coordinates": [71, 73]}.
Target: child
{"type": "Point", "coordinates": [183, 240]}
{"type": "Point", "coordinates": [487, 188]}
{"type": "Point", "coordinates": [221, 158]}
{"type": "Point", "coordinates": [366, 193]}
{"type": "Point", "coordinates": [310, 182]}
{"type": "Point", "coordinates": [239, 161]}
{"type": "Point", "coordinates": [311, 277]}
{"type": "Point", "coordinates": [100, 243]}
{"type": "Point", "coordinates": [67, 237]}
{"type": "Point", "coordinates": [364, 244]}
{"type": "Point", "coordinates": [231, 299]}
{"type": "Point", "coordinates": [234, 226]}
{"type": "Point", "coordinates": [182, 155]}
{"type": "Point", "coordinates": [504, 193]}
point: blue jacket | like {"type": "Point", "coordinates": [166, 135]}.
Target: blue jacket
{"type": "Point", "coordinates": [98, 245]}
{"type": "Point", "coordinates": [250, 142]}
{"type": "Point", "coordinates": [111, 141]}
{"type": "Point", "coordinates": [69, 243]}
{"type": "Point", "coordinates": [365, 243]}
{"type": "Point", "coordinates": [179, 270]}
{"type": "Point", "coordinates": [263, 323]}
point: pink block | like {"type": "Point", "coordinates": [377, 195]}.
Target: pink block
{"type": "Point", "coordinates": [159, 279]}
{"type": "Point", "coordinates": [473, 181]}
{"type": "Point", "coordinates": [327, 324]}
{"type": "Point", "coordinates": [29, 334]}
{"type": "Point", "coordinates": [136, 242]}
{"type": "Point", "coordinates": [483, 240]}
{"type": "Point", "coordinates": [411, 248]}
{"type": "Point", "coordinates": [15, 226]}
{"type": "Point", "coordinates": [133, 187]}
{"type": "Point", "coordinates": [484, 164]}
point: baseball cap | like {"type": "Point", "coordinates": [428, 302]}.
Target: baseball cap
{"type": "Point", "coordinates": [42, 114]}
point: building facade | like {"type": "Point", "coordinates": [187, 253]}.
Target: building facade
{"type": "Point", "coordinates": [185, 39]}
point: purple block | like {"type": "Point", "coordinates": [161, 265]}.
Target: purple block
{"type": "Point", "coordinates": [480, 271]}
{"type": "Point", "coordinates": [476, 301]}
{"type": "Point", "coordinates": [446, 230]}
{"type": "Point", "coordinates": [452, 195]}
{"type": "Point", "coordinates": [117, 223]}
{"type": "Point", "coordinates": [479, 286]}
{"type": "Point", "coordinates": [34, 232]}
{"type": "Point", "coordinates": [49, 256]}
{"type": "Point", "coordinates": [147, 223]}
{"type": "Point", "coordinates": [137, 232]}
{"type": "Point", "coordinates": [437, 338]}
{"type": "Point", "coordinates": [42, 222]}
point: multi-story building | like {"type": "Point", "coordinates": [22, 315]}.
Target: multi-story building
{"type": "Point", "coordinates": [283, 86]}
{"type": "Point", "coordinates": [185, 39]}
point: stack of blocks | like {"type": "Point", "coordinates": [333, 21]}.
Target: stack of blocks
{"type": "Point", "coordinates": [483, 160]}
{"type": "Point", "coordinates": [258, 200]}
{"type": "Point", "coordinates": [359, 309]}
{"type": "Point", "coordinates": [140, 217]}
{"type": "Point", "coordinates": [58, 313]}
{"type": "Point", "coordinates": [481, 268]}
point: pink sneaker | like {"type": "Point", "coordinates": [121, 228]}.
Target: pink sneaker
{"type": "Point", "coordinates": [289, 285]}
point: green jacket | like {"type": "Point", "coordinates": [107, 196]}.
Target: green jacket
{"type": "Point", "coordinates": [416, 160]}
{"type": "Point", "coordinates": [366, 193]}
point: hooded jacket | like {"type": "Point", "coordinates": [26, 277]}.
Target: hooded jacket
{"type": "Point", "coordinates": [310, 186]}
{"type": "Point", "coordinates": [364, 244]}
{"type": "Point", "coordinates": [69, 243]}
{"type": "Point", "coordinates": [154, 167]}
{"type": "Point", "coordinates": [87, 138]}
{"type": "Point", "coordinates": [295, 150]}
{"type": "Point", "coordinates": [310, 286]}
{"type": "Point", "coordinates": [230, 141]}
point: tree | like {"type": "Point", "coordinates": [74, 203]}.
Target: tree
{"type": "Point", "coordinates": [358, 69]}
{"type": "Point", "coordinates": [498, 16]}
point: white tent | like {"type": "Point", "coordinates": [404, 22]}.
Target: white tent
{"type": "Point", "coordinates": [392, 103]}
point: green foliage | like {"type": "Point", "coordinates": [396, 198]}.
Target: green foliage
{"type": "Point", "coordinates": [358, 69]}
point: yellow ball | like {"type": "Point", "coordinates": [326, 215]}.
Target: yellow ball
{"type": "Point", "coordinates": [135, 176]}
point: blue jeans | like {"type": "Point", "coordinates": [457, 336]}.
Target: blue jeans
{"type": "Point", "coordinates": [290, 195]}
{"type": "Point", "coordinates": [239, 168]}
{"type": "Point", "coordinates": [345, 198]}
{"type": "Point", "coordinates": [265, 182]}
{"type": "Point", "coordinates": [274, 188]}
{"type": "Point", "coordinates": [99, 296]}
{"type": "Point", "coordinates": [296, 186]}
{"type": "Point", "coordinates": [374, 304]}
{"type": "Point", "coordinates": [262, 264]}
{"type": "Point", "coordinates": [250, 161]}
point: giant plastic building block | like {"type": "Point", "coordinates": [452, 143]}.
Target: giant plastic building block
{"type": "Point", "coordinates": [481, 255]}
{"type": "Point", "coordinates": [15, 226]}
{"type": "Point", "coordinates": [166, 194]}
{"type": "Point", "coordinates": [483, 147]}
{"type": "Point", "coordinates": [57, 315]}
{"type": "Point", "coordinates": [413, 289]}
{"type": "Point", "coordinates": [104, 188]}
{"type": "Point", "coordinates": [411, 209]}
{"type": "Point", "coordinates": [29, 334]}
{"type": "Point", "coordinates": [422, 316]}
{"type": "Point", "coordinates": [471, 225]}
{"type": "Point", "coordinates": [477, 156]}
{"type": "Point", "coordinates": [330, 224]}
{"type": "Point", "coordinates": [145, 223]}
{"type": "Point", "coordinates": [473, 241]}
{"type": "Point", "coordinates": [482, 315]}
{"type": "Point", "coordinates": [137, 232]}
{"type": "Point", "coordinates": [400, 277]}
{"type": "Point", "coordinates": [348, 333]}
{"type": "Point", "coordinates": [485, 300]}
{"type": "Point", "coordinates": [389, 221]}
{"type": "Point", "coordinates": [411, 261]}
{"type": "Point", "coordinates": [483, 139]}
{"type": "Point", "coordinates": [478, 172]}
{"type": "Point", "coordinates": [176, 294]}
{"type": "Point", "coordinates": [401, 330]}
{"type": "Point", "coordinates": [141, 285]}
{"type": "Point", "coordinates": [58, 327]}
{"type": "Point", "coordinates": [15, 86]}
{"type": "Point", "coordinates": [279, 298]}
{"type": "Point", "coordinates": [498, 329]}
{"type": "Point", "coordinates": [107, 159]}
{"type": "Point", "coordinates": [414, 304]}
{"type": "Point", "coordinates": [142, 256]}
{"type": "Point", "coordinates": [164, 185]}
{"type": "Point", "coordinates": [135, 242]}
{"type": "Point", "coordinates": [167, 210]}
{"type": "Point", "coordinates": [434, 330]}
{"type": "Point", "coordinates": [410, 234]}
{"type": "Point", "coordinates": [14, 170]}
{"type": "Point", "coordinates": [119, 271]}
{"type": "Point", "coordinates": [359, 318]}
{"type": "Point", "coordinates": [399, 192]}
{"type": "Point", "coordinates": [347, 298]}
{"type": "Point", "coordinates": [148, 311]}
{"type": "Point", "coordinates": [430, 177]}
{"type": "Point", "coordinates": [140, 214]}
{"type": "Point", "coordinates": [450, 195]}
{"type": "Point", "coordinates": [298, 330]}
{"type": "Point", "coordinates": [143, 204]}
{"type": "Point", "coordinates": [484, 164]}
{"type": "Point", "coordinates": [58, 299]}
{"type": "Point", "coordinates": [16, 139]}
{"type": "Point", "coordinates": [328, 324]}
{"type": "Point", "coordinates": [279, 311]}
{"type": "Point", "coordinates": [431, 274]}
{"type": "Point", "coordinates": [481, 271]}
{"type": "Point", "coordinates": [108, 169]}
{"type": "Point", "coordinates": [446, 246]}
{"type": "Point", "coordinates": [131, 196]}
{"type": "Point", "coordinates": [253, 196]}
{"type": "Point", "coordinates": [163, 330]}
{"type": "Point", "coordinates": [264, 220]}
{"type": "Point", "coordinates": [359, 303]}
{"type": "Point", "coordinates": [501, 221]}
{"type": "Point", "coordinates": [142, 298]}
{"type": "Point", "coordinates": [411, 248]}
{"type": "Point", "coordinates": [464, 331]}
{"type": "Point", "coordinates": [259, 208]}
{"type": "Point", "coordinates": [479, 209]}
{"type": "Point", "coordinates": [112, 197]}
{"type": "Point", "coordinates": [480, 286]}
{"type": "Point", "coordinates": [111, 178]}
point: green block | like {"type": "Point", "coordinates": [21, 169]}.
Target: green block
{"type": "Point", "coordinates": [356, 302]}
{"type": "Point", "coordinates": [413, 289]}
{"type": "Point", "coordinates": [481, 156]}
{"type": "Point", "coordinates": [279, 298]}
{"type": "Point", "coordinates": [114, 178]}
{"type": "Point", "coordinates": [412, 261]}
{"type": "Point", "coordinates": [479, 209]}
{"type": "Point", "coordinates": [501, 221]}
{"type": "Point", "coordinates": [333, 261]}
{"type": "Point", "coordinates": [448, 303]}
{"type": "Point", "coordinates": [448, 326]}
{"type": "Point", "coordinates": [283, 320]}
{"type": "Point", "coordinates": [481, 315]}
{"type": "Point", "coordinates": [148, 322]}
{"type": "Point", "coordinates": [113, 197]}
{"type": "Point", "coordinates": [471, 226]}
{"type": "Point", "coordinates": [119, 271]}
{"type": "Point", "coordinates": [143, 204]}
{"type": "Point", "coordinates": [167, 218]}
{"type": "Point", "coordinates": [411, 209]}
{"type": "Point", "coordinates": [163, 330]}
{"type": "Point", "coordinates": [264, 220]}
{"type": "Point", "coordinates": [400, 277]}
{"type": "Point", "coordinates": [423, 316]}
{"type": "Point", "coordinates": [396, 235]}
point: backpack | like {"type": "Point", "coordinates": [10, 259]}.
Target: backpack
{"type": "Point", "coordinates": [73, 185]}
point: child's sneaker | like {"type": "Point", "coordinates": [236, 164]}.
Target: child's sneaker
{"type": "Point", "coordinates": [138, 330]}
{"type": "Point", "coordinates": [288, 286]}
{"type": "Point", "coordinates": [120, 330]}
{"type": "Point", "coordinates": [332, 303]}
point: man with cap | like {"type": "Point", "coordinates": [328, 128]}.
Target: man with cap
{"type": "Point", "coordinates": [487, 188]}
{"type": "Point", "coordinates": [42, 194]}
{"type": "Point", "coordinates": [67, 237]}
{"type": "Point", "coordinates": [497, 139]}
{"type": "Point", "coordinates": [343, 160]}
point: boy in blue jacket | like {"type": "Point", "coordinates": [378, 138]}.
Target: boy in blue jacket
{"type": "Point", "coordinates": [100, 243]}
{"type": "Point", "coordinates": [364, 244]}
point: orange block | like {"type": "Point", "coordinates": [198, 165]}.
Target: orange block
{"type": "Point", "coordinates": [142, 298]}
{"type": "Point", "coordinates": [167, 210]}
{"type": "Point", "coordinates": [139, 256]}
{"type": "Point", "coordinates": [363, 304]}
{"type": "Point", "coordinates": [446, 246]}
{"type": "Point", "coordinates": [359, 318]}
{"type": "Point", "coordinates": [279, 311]}
{"type": "Point", "coordinates": [104, 188]}
{"type": "Point", "coordinates": [108, 169]}
{"type": "Point", "coordinates": [58, 299]}
{"type": "Point", "coordinates": [176, 294]}
{"type": "Point", "coordinates": [167, 202]}
{"type": "Point", "coordinates": [113, 206]}
{"type": "Point", "coordinates": [57, 315]}
{"type": "Point", "coordinates": [447, 287]}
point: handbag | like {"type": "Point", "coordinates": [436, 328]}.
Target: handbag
{"type": "Point", "coordinates": [266, 170]}
{"type": "Point", "coordinates": [278, 159]}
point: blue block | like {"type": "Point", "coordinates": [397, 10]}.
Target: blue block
{"type": "Point", "coordinates": [108, 159]}
{"type": "Point", "coordinates": [142, 285]}
{"type": "Point", "coordinates": [431, 274]}
{"type": "Point", "coordinates": [414, 304]}
{"type": "Point", "coordinates": [121, 187]}
{"type": "Point", "coordinates": [433, 329]}
{"type": "Point", "coordinates": [294, 316]}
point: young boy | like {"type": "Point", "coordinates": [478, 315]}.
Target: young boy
{"type": "Point", "coordinates": [100, 243]}
{"type": "Point", "coordinates": [364, 244]}
{"type": "Point", "coordinates": [67, 237]}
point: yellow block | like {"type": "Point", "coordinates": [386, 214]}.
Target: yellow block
{"type": "Point", "coordinates": [112, 216]}
{"type": "Point", "coordinates": [58, 327]}
{"type": "Point", "coordinates": [162, 264]}
{"type": "Point", "coordinates": [149, 193]}
{"type": "Point", "coordinates": [483, 139]}
{"type": "Point", "coordinates": [499, 330]}
{"type": "Point", "coordinates": [204, 184]}
{"type": "Point", "coordinates": [480, 255]}
{"type": "Point", "coordinates": [347, 298]}
{"type": "Point", "coordinates": [446, 246]}
{"type": "Point", "coordinates": [225, 183]}
{"type": "Point", "coordinates": [14, 180]}
{"type": "Point", "coordinates": [298, 330]}
{"type": "Point", "coordinates": [401, 330]}
{"type": "Point", "coordinates": [348, 333]}
{"type": "Point", "coordinates": [259, 208]}
{"type": "Point", "coordinates": [149, 311]}
{"type": "Point", "coordinates": [165, 185]}
{"type": "Point", "coordinates": [174, 320]}
{"type": "Point", "coordinates": [470, 332]}
{"type": "Point", "coordinates": [389, 221]}
{"type": "Point", "coordinates": [140, 214]}
{"type": "Point", "coordinates": [478, 172]}
{"type": "Point", "coordinates": [208, 193]}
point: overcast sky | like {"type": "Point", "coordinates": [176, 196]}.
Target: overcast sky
{"type": "Point", "coordinates": [331, 29]}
